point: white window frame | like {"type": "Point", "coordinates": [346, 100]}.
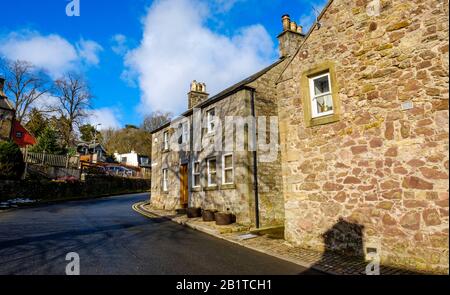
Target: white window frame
{"type": "Point", "coordinates": [195, 174]}
{"type": "Point", "coordinates": [211, 120]}
{"type": "Point", "coordinates": [224, 169]}
{"type": "Point", "coordinates": [313, 97]}
{"type": "Point", "coordinates": [165, 180]}
{"type": "Point", "coordinates": [166, 140]}
{"type": "Point", "coordinates": [210, 184]}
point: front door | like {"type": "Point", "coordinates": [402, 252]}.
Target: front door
{"type": "Point", "coordinates": [184, 188]}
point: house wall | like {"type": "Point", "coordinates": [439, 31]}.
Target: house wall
{"type": "Point", "coordinates": [380, 168]}
{"type": "Point", "coordinates": [270, 181]}
{"type": "Point", "coordinates": [5, 124]}
{"type": "Point", "coordinates": [238, 198]}
{"type": "Point", "coordinates": [235, 198]}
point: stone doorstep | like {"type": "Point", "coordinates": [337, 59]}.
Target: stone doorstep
{"type": "Point", "coordinates": [333, 264]}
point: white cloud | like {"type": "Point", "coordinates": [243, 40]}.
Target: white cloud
{"type": "Point", "coordinates": [177, 48]}
{"type": "Point", "coordinates": [52, 53]}
{"type": "Point", "coordinates": [120, 46]}
{"type": "Point", "coordinates": [107, 117]}
{"type": "Point", "coordinates": [89, 50]}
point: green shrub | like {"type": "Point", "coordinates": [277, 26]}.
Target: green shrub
{"type": "Point", "coordinates": [11, 161]}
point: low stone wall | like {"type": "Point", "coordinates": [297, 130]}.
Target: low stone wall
{"type": "Point", "coordinates": [92, 186]}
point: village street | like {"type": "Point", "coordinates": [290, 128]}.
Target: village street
{"type": "Point", "coordinates": [111, 238]}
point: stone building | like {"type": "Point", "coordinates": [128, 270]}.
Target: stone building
{"type": "Point", "coordinates": [368, 143]}
{"type": "Point", "coordinates": [212, 176]}
{"type": "Point", "coordinates": [7, 113]}
{"type": "Point", "coordinates": [362, 107]}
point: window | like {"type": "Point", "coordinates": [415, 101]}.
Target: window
{"type": "Point", "coordinates": [196, 174]}
{"type": "Point", "coordinates": [212, 172]}
{"type": "Point", "coordinates": [185, 132]}
{"type": "Point", "coordinates": [166, 140]}
{"type": "Point", "coordinates": [210, 119]}
{"type": "Point", "coordinates": [227, 169]}
{"type": "Point", "coordinates": [124, 160]}
{"type": "Point", "coordinates": [19, 134]}
{"type": "Point", "coordinates": [165, 180]}
{"type": "Point", "coordinates": [321, 96]}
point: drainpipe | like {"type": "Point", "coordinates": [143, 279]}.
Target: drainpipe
{"type": "Point", "coordinates": [255, 159]}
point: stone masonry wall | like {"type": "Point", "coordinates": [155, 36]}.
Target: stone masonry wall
{"type": "Point", "coordinates": [379, 167]}
{"type": "Point", "coordinates": [270, 181]}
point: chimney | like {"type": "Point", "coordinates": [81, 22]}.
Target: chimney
{"type": "Point", "coordinates": [2, 85]}
{"type": "Point", "coordinates": [291, 37]}
{"type": "Point", "coordinates": [197, 94]}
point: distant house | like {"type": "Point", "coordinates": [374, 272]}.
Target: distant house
{"type": "Point", "coordinates": [93, 153]}
{"type": "Point", "coordinates": [133, 159]}
{"type": "Point", "coordinates": [21, 136]}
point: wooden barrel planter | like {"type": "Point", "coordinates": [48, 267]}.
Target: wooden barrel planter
{"type": "Point", "coordinates": [193, 212]}
{"type": "Point", "coordinates": [224, 218]}
{"type": "Point", "coordinates": [208, 215]}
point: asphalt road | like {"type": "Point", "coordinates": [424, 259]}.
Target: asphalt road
{"type": "Point", "coordinates": [111, 238]}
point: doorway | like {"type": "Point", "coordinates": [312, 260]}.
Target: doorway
{"type": "Point", "coordinates": [184, 186]}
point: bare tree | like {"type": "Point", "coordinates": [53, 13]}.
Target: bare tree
{"type": "Point", "coordinates": [155, 120]}
{"type": "Point", "coordinates": [25, 85]}
{"type": "Point", "coordinates": [74, 99]}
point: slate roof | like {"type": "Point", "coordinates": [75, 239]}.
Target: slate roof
{"type": "Point", "coordinates": [225, 93]}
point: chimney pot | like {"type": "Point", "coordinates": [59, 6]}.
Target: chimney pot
{"type": "Point", "coordinates": [293, 27]}
{"type": "Point", "coordinates": [300, 29]}
{"type": "Point", "coordinates": [197, 94]}
{"type": "Point", "coordinates": [286, 22]}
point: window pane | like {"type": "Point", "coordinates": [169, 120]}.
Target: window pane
{"type": "Point", "coordinates": [321, 85]}
{"type": "Point", "coordinates": [228, 161]}
{"type": "Point", "coordinates": [324, 104]}
{"type": "Point", "coordinates": [212, 166]}
{"type": "Point", "coordinates": [197, 180]}
{"type": "Point", "coordinates": [228, 176]}
{"type": "Point", "coordinates": [196, 167]}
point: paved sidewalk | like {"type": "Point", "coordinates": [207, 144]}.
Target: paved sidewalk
{"type": "Point", "coordinates": [330, 263]}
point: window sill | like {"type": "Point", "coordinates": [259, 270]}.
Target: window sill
{"type": "Point", "coordinates": [196, 189]}
{"type": "Point", "coordinates": [165, 192]}
{"type": "Point", "coordinates": [328, 119]}
{"type": "Point", "coordinates": [228, 186]}
{"type": "Point", "coordinates": [211, 188]}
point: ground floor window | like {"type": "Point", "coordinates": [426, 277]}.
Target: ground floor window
{"type": "Point", "coordinates": [196, 174]}
{"type": "Point", "coordinates": [212, 171]}
{"type": "Point", "coordinates": [165, 180]}
{"type": "Point", "coordinates": [227, 169]}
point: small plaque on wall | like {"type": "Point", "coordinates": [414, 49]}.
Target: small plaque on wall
{"type": "Point", "coordinates": [407, 105]}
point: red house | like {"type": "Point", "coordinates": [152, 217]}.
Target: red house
{"type": "Point", "coordinates": [21, 136]}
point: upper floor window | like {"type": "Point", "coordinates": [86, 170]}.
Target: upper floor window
{"type": "Point", "coordinates": [185, 132]}
{"type": "Point", "coordinates": [210, 119]}
{"type": "Point", "coordinates": [321, 96]}
{"type": "Point", "coordinates": [212, 171]}
{"type": "Point", "coordinates": [166, 140]}
{"type": "Point", "coordinates": [227, 169]}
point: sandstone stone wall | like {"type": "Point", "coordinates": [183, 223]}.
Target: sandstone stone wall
{"type": "Point", "coordinates": [270, 181]}
{"type": "Point", "coordinates": [378, 167]}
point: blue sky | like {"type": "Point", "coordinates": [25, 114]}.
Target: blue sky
{"type": "Point", "coordinates": [140, 56]}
